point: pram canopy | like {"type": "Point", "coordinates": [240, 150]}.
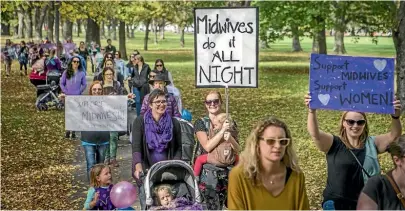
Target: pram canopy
{"type": "Point", "coordinates": [175, 172]}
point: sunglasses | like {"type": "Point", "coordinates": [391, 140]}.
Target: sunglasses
{"type": "Point", "coordinates": [75, 61]}
{"type": "Point", "coordinates": [109, 57]}
{"type": "Point", "coordinates": [160, 102]}
{"type": "Point", "coordinates": [103, 49]}
{"type": "Point", "coordinates": [97, 89]}
{"type": "Point", "coordinates": [152, 76]}
{"type": "Point", "coordinates": [351, 122]}
{"type": "Point", "coordinates": [210, 102]}
{"type": "Point", "coordinates": [272, 141]}
{"type": "Point", "coordinates": [159, 65]}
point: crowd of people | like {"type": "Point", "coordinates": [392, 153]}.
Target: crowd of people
{"type": "Point", "coordinates": [265, 175]}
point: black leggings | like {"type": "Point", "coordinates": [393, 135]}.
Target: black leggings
{"type": "Point", "coordinates": [25, 66]}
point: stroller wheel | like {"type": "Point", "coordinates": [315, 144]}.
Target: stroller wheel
{"type": "Point", "coordinates": [42, 107]}
{"type": "Point", "coordinates": [60, 106]}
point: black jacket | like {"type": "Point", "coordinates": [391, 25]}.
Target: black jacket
{"type": "Point", "coordinates": [139, 142]}
{"type": "Point", "coordinates": [95, 137]}
{"type": "Point", "coordinates": [139, 79]}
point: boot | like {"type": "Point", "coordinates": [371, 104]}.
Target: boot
{"type": "Point", "coordinates": [73, 135]}
{"type": "Point", "coordinates": [67, 134]}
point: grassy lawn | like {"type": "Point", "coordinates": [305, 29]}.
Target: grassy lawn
{"type": "Point", "coordinates": [34, 155]}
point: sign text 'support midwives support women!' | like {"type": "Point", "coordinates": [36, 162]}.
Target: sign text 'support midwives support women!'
{"type": "Point", "coordinates": [352, 83]}
{"type": "Point", "coordinates": [226, 47]}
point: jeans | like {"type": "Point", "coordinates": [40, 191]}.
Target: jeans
{"type": "Point", "coordinates": [137, 93]}
{"type": "Point", "coordinates": [95, 154]}
{"type": "Point", "coordinates": [112, 152]}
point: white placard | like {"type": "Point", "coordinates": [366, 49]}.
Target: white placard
{"type": "Point", "coordinates": [226, 47]}
{"type": "Point", "coordinates": [96, 113]}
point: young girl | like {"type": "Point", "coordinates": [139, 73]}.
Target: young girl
{"type": "Point", "coordinates": [98, 196]}
{"type": "Point", "coordinates": [223, 155]}
{"type": "Point", "coordinates": [164, 199]}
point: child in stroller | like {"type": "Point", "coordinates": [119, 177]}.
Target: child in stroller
{"type": "Point", "coordinates": [174, 187]}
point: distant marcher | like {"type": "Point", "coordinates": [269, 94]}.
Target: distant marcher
{"type": "Point", "coordinates": [73, 82]}
{"type": "Point", "coordinates": [110, 48]}
{"type": "Point", "coordinates": [138, 78]}
{"type": "Point", "coordinates": [23, 57]}
{"type": "Point", "coordinates": [95, 143]}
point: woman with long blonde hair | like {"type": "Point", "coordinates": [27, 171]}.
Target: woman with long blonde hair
{"type": "Point", "coordinates": [352, 155]}
{"type": "Point", "coordinates": [268, 176]}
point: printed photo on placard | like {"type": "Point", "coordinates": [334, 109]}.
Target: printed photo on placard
{"type": "Point", "coordinates": [349, 83]}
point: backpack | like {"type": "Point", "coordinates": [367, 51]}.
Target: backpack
{"type": "Point", "coordinates": [187, 140]}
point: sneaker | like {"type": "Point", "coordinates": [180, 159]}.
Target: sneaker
{"type": "Point", "coordinates": [73, 135]}
{"type": "Point", "coordinates": [114, 163]}
{"type": "Point", "coordinates": [67, 134]}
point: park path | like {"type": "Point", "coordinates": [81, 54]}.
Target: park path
{"type": "Point", "coordinates": [121, 173]}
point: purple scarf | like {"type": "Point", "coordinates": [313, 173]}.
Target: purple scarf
{"type": "Point", "coordinates": [158, 135]}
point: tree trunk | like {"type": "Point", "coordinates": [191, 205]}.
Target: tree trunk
{"type": "Point", "coordinates": [133, 31]}
{"type": "Point", "coordinates": [399, 42]}
{"type": "Point", "coordinates": [162, 29]}
{"type": "Point", "coordinates": [319, 40]}
{"type": "Point", "coordinates": [93, 32]}
{"type": "Point", "coordinates": [155, 31]}
{"type": "Point", "coordinates": [39, 14]}
{"type": "Point", "coordinates": [28, 23]}
{"type": "Point", "coordinates": [5, 29]}
{"type": "Point", "coordinates": [296, 45]}
{"type": "Point", "coordinates": [20, 14]}
{"type": "Point", "coordinates": [145, 43]}
{"type": "Point", "coordinates": [340, 27]}
{"type": "Point", "coordinates": [57, 19]}
{"type": "Point", "coordinates": [51, 19]}
{"type": "Point", "coordinates": [67, 30]}
{"type": "Point", "coordinates": [79, 27]}
{"type": "Point", "coordinates": [121, 34]}
{"type": "Point", "coordinates": [109, 28]}
{"type": "Point", "coordinates": [127, 31]}
{"type": "Point", "coordinates": [114, 26]}
{"type": "Point", "coordinates": [182, 42]}
{"type": "Point", "coordinates": [102, 29]}
{"type": "Point", "coordinates": [339, 42]}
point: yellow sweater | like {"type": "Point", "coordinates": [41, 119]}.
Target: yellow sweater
{"type": "Point", "coordinates": [243, 195]}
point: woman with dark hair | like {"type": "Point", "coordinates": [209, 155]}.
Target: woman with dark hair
{"type": "Point", "coordinates": [117, 76]}
{"type": "Point", "coordinates": [7, 57]}
{"type": "Point", "coordinates": [148, 87]}
{"type": "Point", "coordinates": [155, 137]}
{"type": "Point", "coordinates": [111, 87]}
{"type": "Point", "coordinates": [95, 143]}
{"type": "Point", "coordinates": [73, 82]}
{"type": "Point", "coordinates": [387, 192]}
{"type": "Point", "coordinates": [23, 57]}
{"type": "Point", "coordinates": [352, 156]}
{"type": "Point", "coordinates": [139, 77]}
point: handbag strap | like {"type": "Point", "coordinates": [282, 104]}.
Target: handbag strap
{"type": "Point", "coordinates": [400, 196]}
{"type": "Point", "coordinates": [358, 162]}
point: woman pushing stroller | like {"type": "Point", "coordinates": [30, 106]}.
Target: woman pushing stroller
{"type": "Point", "coordinates": [155, 137]}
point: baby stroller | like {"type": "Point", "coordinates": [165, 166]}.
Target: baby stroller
{"type": "Point", "coordinates": [47, 94]}
{"type": "Point", "coordinates": [177, 173]}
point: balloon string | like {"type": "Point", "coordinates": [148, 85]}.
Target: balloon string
{"type": "Point", "coordinates": [227, 102]}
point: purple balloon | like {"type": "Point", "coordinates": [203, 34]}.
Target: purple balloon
{"type": "Point", "coordinates": [123, 194]}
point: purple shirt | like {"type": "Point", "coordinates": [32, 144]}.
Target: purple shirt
{"type": "Point", "coordinates": [75, 85]}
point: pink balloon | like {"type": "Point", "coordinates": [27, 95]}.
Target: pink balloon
{"type": "Point", "coordinates": [123, 194]}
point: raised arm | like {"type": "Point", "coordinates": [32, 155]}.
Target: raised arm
{"type": "Point", "coordinates": [382, 141]}
{"type": "Point", "coordinates": [323, 141]}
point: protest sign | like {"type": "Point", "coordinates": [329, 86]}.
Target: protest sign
{"type": "Point", "coordinates": [226, 47]}
{"type": "Point", "coordinates": [96, 113]}
{"type": "Point", "coordinates": [69, 47]}
{"type": "Point", "coordinates": [348, 83]}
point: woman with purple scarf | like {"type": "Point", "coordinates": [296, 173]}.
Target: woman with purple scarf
{"type": "Point", "coordinates": [156, 136]}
